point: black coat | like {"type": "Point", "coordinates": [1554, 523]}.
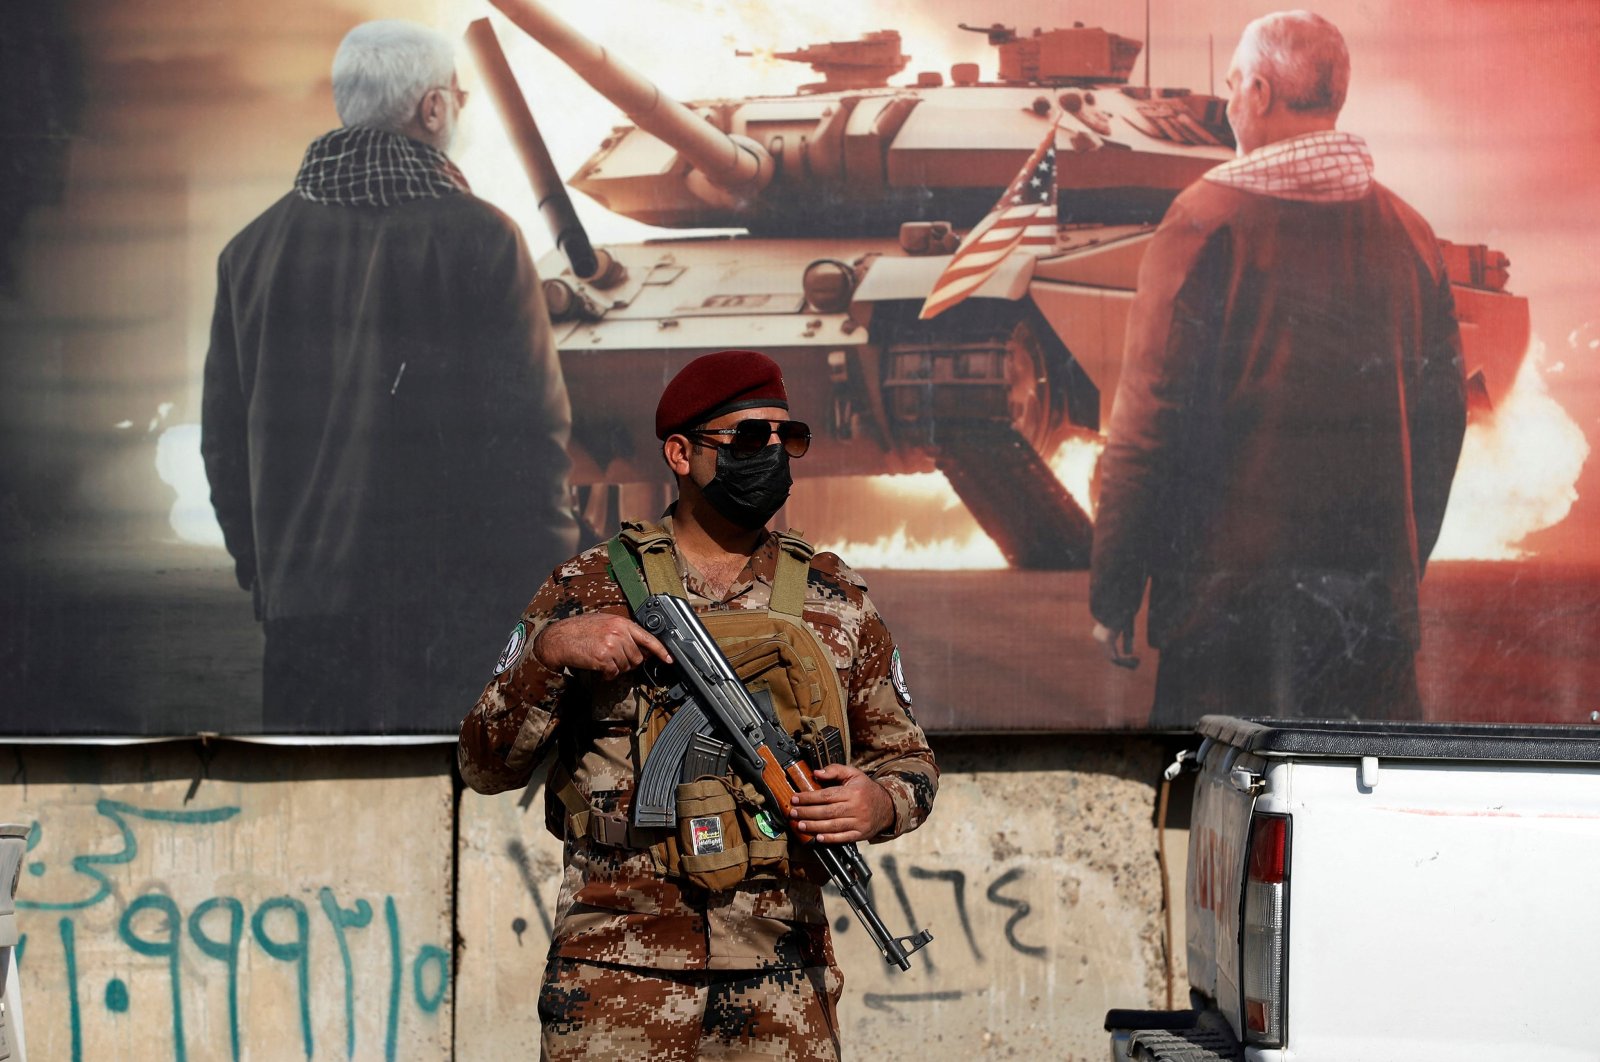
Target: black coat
{"type": "Point", "coordinates": [385, 421]}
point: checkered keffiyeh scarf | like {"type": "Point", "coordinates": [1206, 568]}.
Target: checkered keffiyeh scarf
{"type": "Point", "coordinates": [357, 166]}
{"type": "Point", "coordinates": [1325, 167]}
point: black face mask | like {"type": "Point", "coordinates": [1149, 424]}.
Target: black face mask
{"type": "Point", "coordinates": [748, 491]}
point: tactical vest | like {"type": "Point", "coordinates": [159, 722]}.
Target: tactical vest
{"type": "Point", "coordinates": [724, 833]}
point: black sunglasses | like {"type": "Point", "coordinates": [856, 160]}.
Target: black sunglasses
{"type": "Point", "coordinates": [750, 437]}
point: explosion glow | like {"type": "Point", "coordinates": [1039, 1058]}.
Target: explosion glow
{"type": "Point", "coordinates": [1074, 465]}
{"type": "Point", "coordinates": [180, 467]}
{"type": "Point", "coordinates": [973, 551]}
{"type": "Point", "coordinates": [966, 548]}
{"type": "Point", "coordinates": [1518, 472]}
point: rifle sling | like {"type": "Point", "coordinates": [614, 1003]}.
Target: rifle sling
{"type": "Point", "coordinates": [626, 572]}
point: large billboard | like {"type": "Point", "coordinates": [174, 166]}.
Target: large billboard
{"type": "Point", "coordinates": [954, 462]}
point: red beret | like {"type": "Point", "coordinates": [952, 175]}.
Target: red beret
{"type": "Point", "coordinates": [714, 384]}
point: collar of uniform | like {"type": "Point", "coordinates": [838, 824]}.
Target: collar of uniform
{"type": "Point", "coordinates": [761, 567]}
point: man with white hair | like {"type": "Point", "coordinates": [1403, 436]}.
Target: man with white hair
{"type": "Point", "coordinates": [384, 422]}
{"type": "Point", "coordinates": [1289, 415]}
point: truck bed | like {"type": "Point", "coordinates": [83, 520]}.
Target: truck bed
{"type": "Point", "coordinates": [1506, 742]}
{"type": "Point", "coordinates": [1438, 904]}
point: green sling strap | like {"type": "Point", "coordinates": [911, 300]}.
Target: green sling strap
{"type": "Point", "coordinates": [626, 573]}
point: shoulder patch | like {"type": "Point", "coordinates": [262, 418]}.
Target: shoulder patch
{"type": "Point", "coordinates": [897, 678]}
{"type": "Point", "coordinates": [513, 650]}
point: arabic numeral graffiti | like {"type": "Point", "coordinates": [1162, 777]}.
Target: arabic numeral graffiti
{"type": "Point", "coordinates": [1020, 910]}
{"type": "Point", "coordinates": [958, 887]}
{"type": "Point", "coordinates": [891, 867]}
{"type": "Point", "coordinates": [153, 925]}
{"type": "Point", "coordinates": [439, 959]}
{"type": "Point", "coordinates": [225, 950]}
{"type": "Point", "coordinates": [358, 917]}
{"type": "Point", "coordinates": [165, 947]}
{"type": "Point", "coordinates": [297, 950]}
{"type": "Point", "coordinates": [392, 920]}
{"type": "Point", "coordinates": [69, 952]}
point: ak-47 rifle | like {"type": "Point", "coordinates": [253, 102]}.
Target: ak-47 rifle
{"type": "Point", "coordinates": [718, 720]}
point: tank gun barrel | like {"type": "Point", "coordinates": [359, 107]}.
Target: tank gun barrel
{"type": "Point", "coordinates": [555, 206]}
{"type": "Point", "coordinates": [997, 32]}
{"type": "Point", "coordinates": [733, 164]}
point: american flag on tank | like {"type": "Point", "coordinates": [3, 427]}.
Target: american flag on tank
{"type": "Point", "coordinates": [1024, 219]}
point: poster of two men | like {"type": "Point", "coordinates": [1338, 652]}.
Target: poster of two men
{"type": "Point", "coordinates": [955, 458]}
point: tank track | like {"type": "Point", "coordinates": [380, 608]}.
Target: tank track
{"type": "Point", "coordinates": [1014, 496]}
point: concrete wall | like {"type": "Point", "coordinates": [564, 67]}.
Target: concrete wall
{"type": "Point", "coordinates": [237, 901]}
{"type": "Point", "coordinates": [234, 901]}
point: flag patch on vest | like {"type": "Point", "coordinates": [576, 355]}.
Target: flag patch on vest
{"type": "Point", "coordinates": [768, 825]}
{"type": "Point", "coordinates": [513, 649]}
{"type": "Point", "coordinates": [706, 834]}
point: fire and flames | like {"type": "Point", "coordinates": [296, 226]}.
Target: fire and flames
{"type": "Point", "coordinates": [959, 543]}
{"type": "Point", "coordinates": [1518, 472]}
{"type": "Point", "coordinates": [1518, 475]}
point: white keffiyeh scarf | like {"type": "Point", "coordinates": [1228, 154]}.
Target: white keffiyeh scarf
{"type": "Point", "coordinates": [1324, 167]}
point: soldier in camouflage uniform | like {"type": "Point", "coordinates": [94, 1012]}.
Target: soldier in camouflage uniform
{"type": "Point", "coordinates": [646, 963]}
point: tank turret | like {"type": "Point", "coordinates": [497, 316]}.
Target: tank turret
{"type": "Point", "coordinates": [1082, 55]}
{"type": "Point", "coordinates": [853, 200]}
{"type": "Point", "coordinates": [868, 62]}
{"type": "Point", "coordinates": [870, 159]}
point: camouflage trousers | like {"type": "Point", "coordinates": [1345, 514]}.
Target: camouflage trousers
{"type": "Point", "coordinates": [595, 1010]}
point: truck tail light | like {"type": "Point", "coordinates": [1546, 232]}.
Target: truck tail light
{"type": "Point", "coordinates": [1265, 959]}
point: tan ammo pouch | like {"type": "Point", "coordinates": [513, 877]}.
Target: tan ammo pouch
{"type": "Point", "coordinates": [709, 848]}
{"type": "Point", "coordinates": [769, 855]}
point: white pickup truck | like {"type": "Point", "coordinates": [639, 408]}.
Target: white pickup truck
{"type": "Point", "coordinates": [1359, 892]}
{"type": "Point", "coordinates": [13, 846]}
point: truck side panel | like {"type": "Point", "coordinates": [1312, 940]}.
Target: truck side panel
{"type": "Point", "coordinates": [1446, 912]}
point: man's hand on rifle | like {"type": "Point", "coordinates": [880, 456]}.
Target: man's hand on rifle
{"type": "Point", "coordinates": [597, 641]}
{"type": "Point", "coordinates": [849, 807]}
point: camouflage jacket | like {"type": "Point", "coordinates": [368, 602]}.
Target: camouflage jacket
{"type": "Point", "coordinates": [614, 905]}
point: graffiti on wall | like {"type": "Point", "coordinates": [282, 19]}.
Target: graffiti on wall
{"type": "Point", "coordinates": [225, 929]}
{"type": "Point", "coordinates": [992, 909]}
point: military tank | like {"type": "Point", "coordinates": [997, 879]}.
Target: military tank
{"type": "Point", "coordinates": [852, 194]}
